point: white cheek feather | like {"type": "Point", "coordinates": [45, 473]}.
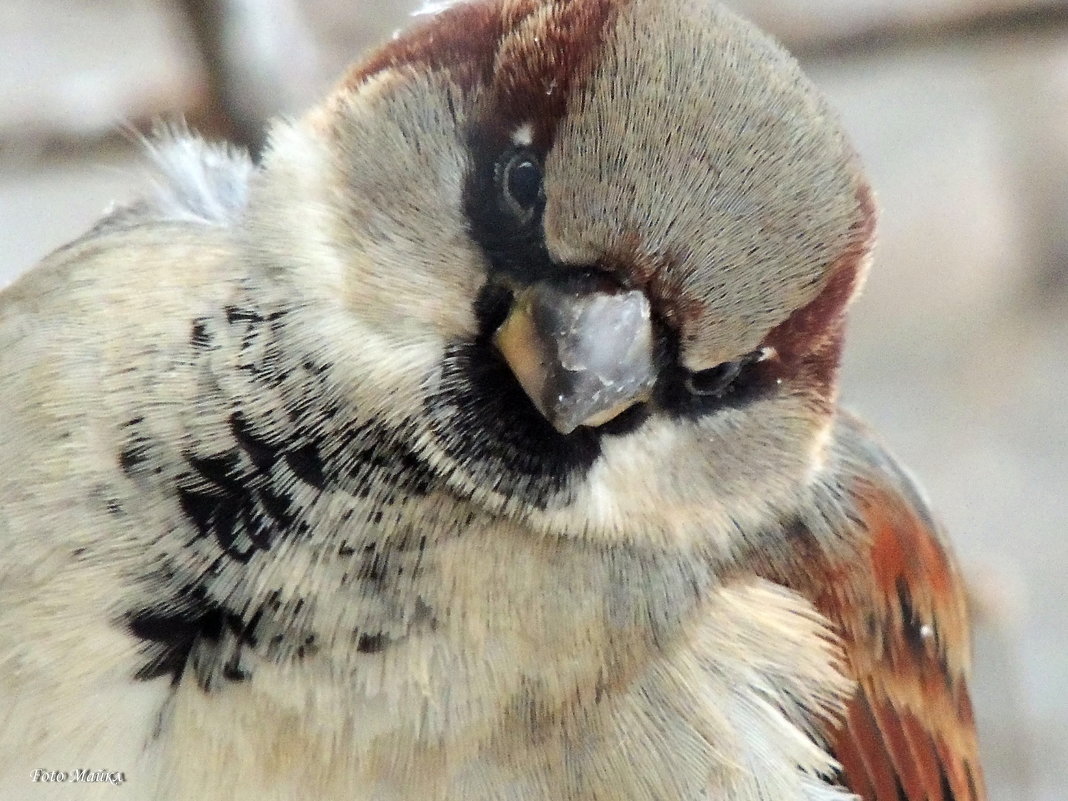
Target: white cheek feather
{"type": "Point", "coordinates": [624, 474]}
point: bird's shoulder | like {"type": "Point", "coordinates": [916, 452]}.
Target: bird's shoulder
{"type": "Point", "coordinates": [886, 578]}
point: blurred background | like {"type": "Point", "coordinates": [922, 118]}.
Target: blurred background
{"type": "Point", "coordinates": [959, 347]}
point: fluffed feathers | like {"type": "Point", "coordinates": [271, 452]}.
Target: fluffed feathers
{"type": "Point", "coordinates": [279, 522]}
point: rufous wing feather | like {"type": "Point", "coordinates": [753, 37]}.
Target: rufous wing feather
{"type": "Point", "coordinates": [896, 599]}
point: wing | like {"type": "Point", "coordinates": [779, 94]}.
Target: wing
{"type": "Point", "coordinates": [898, 604]}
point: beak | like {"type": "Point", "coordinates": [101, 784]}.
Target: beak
{"type": "Point", "coordinates": [582, 357]}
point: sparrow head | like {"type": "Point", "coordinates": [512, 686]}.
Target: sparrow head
{"type": "Point", "coordinates": [588, 259]}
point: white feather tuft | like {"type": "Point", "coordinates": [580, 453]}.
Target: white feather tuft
{"type": "Point", "coordinates": [194, 180]}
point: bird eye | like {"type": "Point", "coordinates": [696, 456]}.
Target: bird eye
{"type": "Point", "coordinates": [521, 183]}
{"type": "Point", "coordinates": [715, 381]}
{"type": "Point", "coordinates": [719, 381]}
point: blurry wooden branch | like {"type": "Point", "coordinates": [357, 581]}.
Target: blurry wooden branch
{"type": "Point", "coordinates": [260, 58]}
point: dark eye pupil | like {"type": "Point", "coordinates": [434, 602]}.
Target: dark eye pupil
{"type": "Point", "coordinates": [718, 381]}
{"type": "Point", "coordinates": [523, 183]}
{"type": "Point", "coordinates": [715, 381]}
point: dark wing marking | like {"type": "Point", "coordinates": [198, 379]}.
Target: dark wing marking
{"type": "Point", "coordinates": [897, 602]}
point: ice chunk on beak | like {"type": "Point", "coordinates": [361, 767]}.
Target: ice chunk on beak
{"type": "Point", "coordinates": [582, 357]}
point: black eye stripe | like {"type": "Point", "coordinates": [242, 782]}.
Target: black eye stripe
{"type": "Point", "coordinates": [523, 183]}
{"type": "Point", "coordinates": [520, 180]}
{"type": "Point", "coordinates": [719, 380]}
{"type": "Point", "coordinates": [503, 200]}
{"type": "Point", "coordinates": [682, 393]}
{"type": "Point", "coordinates": [715, 382]}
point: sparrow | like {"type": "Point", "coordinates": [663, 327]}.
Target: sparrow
{"type": "Point", "coordinates": [480, 443]}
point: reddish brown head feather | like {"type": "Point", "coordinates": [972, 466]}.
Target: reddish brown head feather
{"type": "Point", "coordinates": [527, 55]}
{"type": "Point", "coordinates": [462, 39]}
{"type": "Point", "coordinates": [809, 340]}
{"type": "Point", "coordinates": [546, 59]}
